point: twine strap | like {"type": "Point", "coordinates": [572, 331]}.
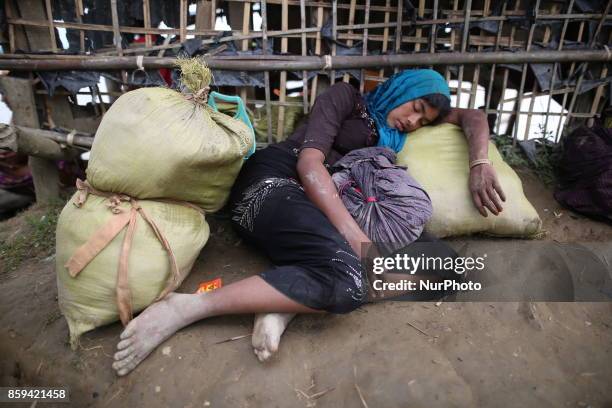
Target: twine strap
{"type": "Point", "coordinates": [100, 239]}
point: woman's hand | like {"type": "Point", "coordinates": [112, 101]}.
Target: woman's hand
{"type": "Point", "coordinates": [484, 186]}
{"type": "Point", "coordinates": [485, 189]}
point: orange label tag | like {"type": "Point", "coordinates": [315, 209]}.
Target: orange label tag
{"type": "Point", "coordinates": [209, 286]}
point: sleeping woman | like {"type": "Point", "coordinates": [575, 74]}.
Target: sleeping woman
{"type": "Point", "coordinates": [285, 203]}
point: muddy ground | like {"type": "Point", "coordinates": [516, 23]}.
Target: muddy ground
{"type": "Point", "coordinates": [400, 354]}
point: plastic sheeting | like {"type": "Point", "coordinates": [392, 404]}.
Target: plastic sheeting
{"type": "Point", "coordinates": [72, 81]}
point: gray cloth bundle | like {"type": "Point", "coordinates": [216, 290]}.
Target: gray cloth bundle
{"type": "Point", "coordinates": [388, 204]}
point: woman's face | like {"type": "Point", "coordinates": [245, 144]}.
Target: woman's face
{"type": "Point", "coordinates": [412, 115]}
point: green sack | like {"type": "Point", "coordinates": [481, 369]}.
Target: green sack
{"type": "Point", "coordinates": [293, 116]}
{"type": "Point", "coordinates": [159, 143]}
{"type": "Point", "coordinates": [437, 157]}
{"type": "Point", "coordinates": [89, 299]}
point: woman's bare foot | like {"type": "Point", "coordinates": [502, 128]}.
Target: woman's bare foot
{"type": "Point", "coordinates": [154, 325]}
{"type": "Point", "coordinates": [267, 332]}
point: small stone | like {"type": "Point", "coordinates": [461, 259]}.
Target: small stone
{"type": "Point", "coordinates": [207, 403]}
{"type": "Point", "coordinates": [588, 323]}
{"type": "Point", "coordinates": [167, 350]}
{"type": "Point", "coordinates": [157, 388]}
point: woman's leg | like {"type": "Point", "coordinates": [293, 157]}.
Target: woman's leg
{"type": "Point", "coordinates": [164, 318]}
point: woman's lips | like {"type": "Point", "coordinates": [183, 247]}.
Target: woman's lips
{"type": "Point", "coordinates": [399, 126]}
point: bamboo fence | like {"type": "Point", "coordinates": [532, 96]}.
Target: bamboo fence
{"type": "Point", "coordinates": [490, 45]}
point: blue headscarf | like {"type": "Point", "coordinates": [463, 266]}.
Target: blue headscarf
{"type": "Point", "coordinates": [402, 87]}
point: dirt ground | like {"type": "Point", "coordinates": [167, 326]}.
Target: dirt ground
{"type": "Point", "coordinates": [393, 354]}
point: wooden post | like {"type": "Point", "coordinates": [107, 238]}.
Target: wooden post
{"type": "Point", "coordinates": [19, 96]}
{"type": "Point", "coordinates": [204, 13]}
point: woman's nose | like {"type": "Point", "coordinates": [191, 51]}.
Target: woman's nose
{"type": "Point", "coordinates": [412, 122]}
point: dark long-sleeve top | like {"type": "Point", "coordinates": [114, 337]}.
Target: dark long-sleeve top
{"type": "Point", "coordinates": [337, 124]}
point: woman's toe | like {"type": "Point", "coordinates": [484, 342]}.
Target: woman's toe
{"type": "Point", "coordinates": [124, 343]}
{"type": "Point", "coordinates": [120, 355]}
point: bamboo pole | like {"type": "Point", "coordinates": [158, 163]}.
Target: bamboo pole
{"type": "Point", "coordinates": [34, 143]}
{"type": "Point", "coordinates": [434, 30]}
{"type": "Point", "coordinates": [555, 66]}
{"type": "Point", "coordinates": [545, 41]}
{"type": "Point", "coordinates": [351, 23]}
{"type": "Point", "coordinates": [476, 77]}
{"type": "Point", "coordinates": [78, 5]}
{"type": "Point", "coordinates": [315, 80]}
{"type": "Point", "coordinates": [52, 38]}
{"type": "Point", "coordinates": [464, 40]}
{"type": "Point", "coordinates": [332, 78]}
{"type": "Point", "coordinates": [246, 25]}
{"type": "Point", "coordinates": [365, 47]}
{"type": "Point", "coordinates": [506, 72]}
{"type": "Point", "coordinates": [8, 9]}
{"type": "Point", "coordinates": [116, 31]}
{"type": "Point", "coordinates": [419, 31]}
{"type": "Point", "coordinates": [447, 73]}
{"type": "Point", "coordinates": [385, 44]}
{"type": "Point", "coordinates": [304, 53]}
{"type": "Point", "coordinates": [264, 29]}
{"type": "Point", "coordinates": [571, 72]}
{"type": "Point", "coordinates": [310, 63]}
{"type": "Point", "coordinates": [79, 139]}
{"type": "Point", "coordinates": [146, 13]}
{"type": "Point", "coordinates": [524, 76]}
{"type": "Point", "coordinates": [280, 128]}
{"type": "Point", "coordinates": [494, 66]}
{"type": "Point", "coordinates": [398, 30]}
{"type": "Point", "coordinates": [183, 21]}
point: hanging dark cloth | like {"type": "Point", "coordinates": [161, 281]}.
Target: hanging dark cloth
{"type": "Point", "coordinates": [585, 172]}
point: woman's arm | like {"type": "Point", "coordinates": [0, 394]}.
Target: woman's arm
{"type": "Point", "coordinates": [321, 190]}
{"type": "Point", "coordinates": [484, 186]}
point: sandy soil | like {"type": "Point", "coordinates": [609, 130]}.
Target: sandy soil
{"type": "Point", "coordinates": [396, 354]}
